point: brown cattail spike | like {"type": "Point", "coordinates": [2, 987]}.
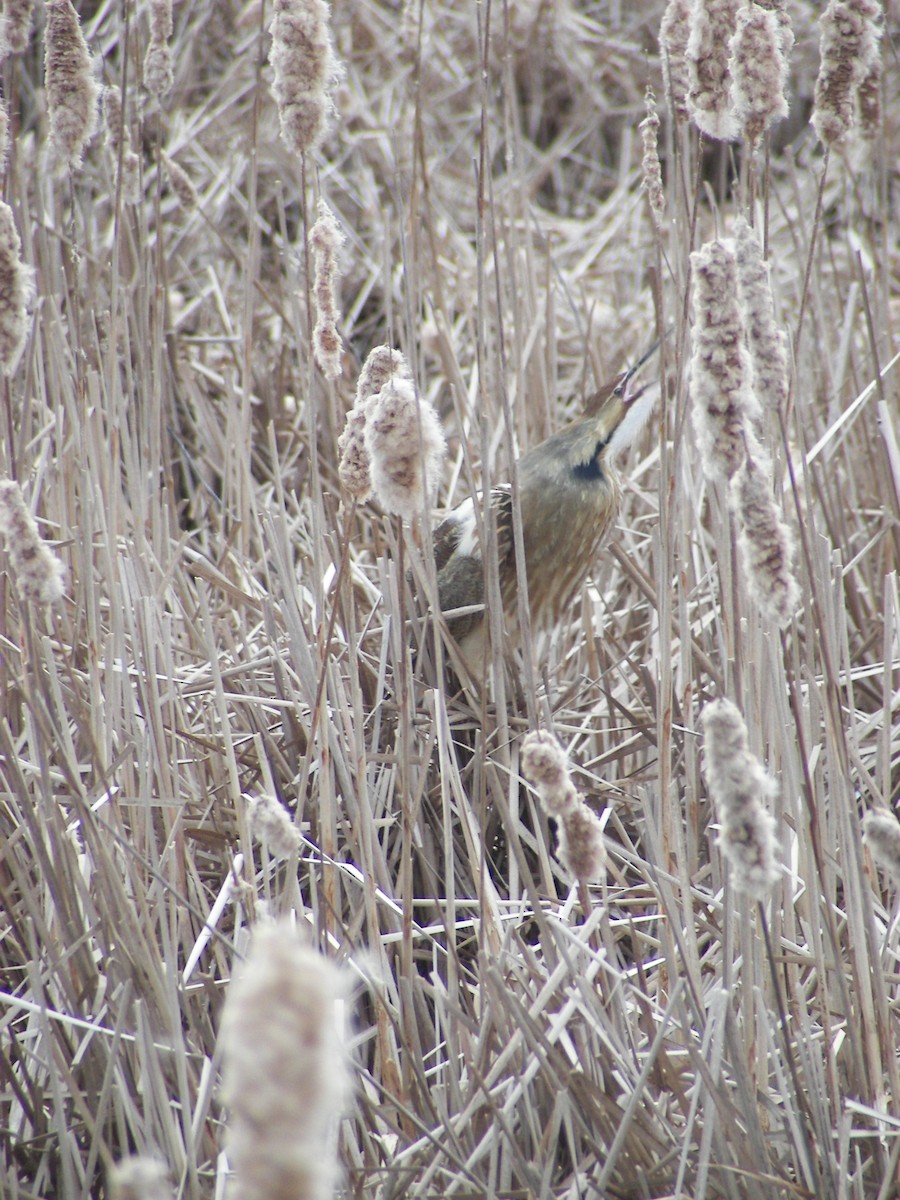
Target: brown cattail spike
{"type": "Point", "coordinates": [740, 788]}
{"type": "Point", "coordinates": [71, 88]}
{"type": "Point", "coordinates": [720, 369]}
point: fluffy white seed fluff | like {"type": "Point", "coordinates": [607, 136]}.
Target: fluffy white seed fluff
{"type": "Point", "coordinates": [740, 789]}
{"type": "Point", "coordinates": [285, 1077]}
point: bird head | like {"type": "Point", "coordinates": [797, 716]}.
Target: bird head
{"type": "Point", "coordinates": [613, 417]}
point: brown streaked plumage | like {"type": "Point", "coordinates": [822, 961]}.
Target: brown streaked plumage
{"type": "Point", "coordinates": [569, 494]}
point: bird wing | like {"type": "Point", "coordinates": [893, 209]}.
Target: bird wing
{"type": "Point", "coordinates": [458, 558]}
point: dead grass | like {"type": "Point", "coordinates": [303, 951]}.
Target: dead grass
{"type": "Point", "coordinates": [231, 628]}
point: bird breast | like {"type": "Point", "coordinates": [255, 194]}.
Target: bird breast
{"type": "Point", "coordinates": [564, 520]}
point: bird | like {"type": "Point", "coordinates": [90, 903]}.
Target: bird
{"type": "Point", "coordinates": [569, 492]}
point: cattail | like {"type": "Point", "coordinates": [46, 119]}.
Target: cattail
{"type": "Point", "coordinates": [36, 571]}
{"type": "Point", "coordinates": [713, 23]}
{"type": "Point", "coordinates": [4, 134]}
{"type": "Point", "coordinates": [674, 35]}
{"type": "Point", "coordinates": [305, 68]}
{"type": "Point", "coordinates": [740, 788]}
{"type": "Point", "coordinates": [766, 342]}
{"type": "Point", "coordinates": [353, 471]}
{"type": "Point", "coordinates": [406, 448]}
{"type": "Point", "coordinates": [720, 372]}
{"type": "Point", "coordinates": [868, 97]}
{"type": "Point", "coordinates": [118, 137]}
{"type": "Point", "coordinates": [544, 765]}
{"type": "Point", "coordinates": [71, 87]}
{"type": "Point", "coordinates": [325, 240]}
{"type": "Point", "coordinates": [581, 850]}
{"type": "Point", "coordinates": [881, 833]}
{"type": "Point", "coordinates": [651, 171]}
{"type": "Point", "coordinates": [158, 75]}
{"type": "Point", "coordinates": [15, 27]}
{"type": "Point", "coordinates": [759, 68]}
{"type": "Point", "coordinates": [381, 365]}
{"type": "Point", "coordinates": [848, 48]}
{"type": "Point", "coordinates": [181, 183]}
{"type": "Point", "coordinates": [15, 292]}
{"type": "Point", "coordinates": [765, 542]}
{"type": "Point", "coordinates": [140, 1178]}
{"type": "Point", "coordinates": [285, 1069]}
{"type": "Point", "coordinates": [271, 824]}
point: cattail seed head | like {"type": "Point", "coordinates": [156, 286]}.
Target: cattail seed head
{"type": "Point", "coordinates": [740, 788]}
{"type": "Point", "coordinates": [674, 35]}
{"type": "Point", "coordinates": [868, 97]}
{"type": "Point", "coordinates": [765, 543]}
{"type": "Point", "coordinates": [713, 24]}
{"type": "Point", "coordinates": [15, 27]}
{"type": "Point", "coordinates": [381, 365]}
{"type": "Point", "coordinates": [305, 67]}
{"type": "Point", "coordinates": [881, 833]}
{"type": "Point", "coordinates": [181, 183]}
{"type": "Point", "coordinates": [71, 88]}
{"type": "Point", "coordinates": [581, 849]}
{"type": "Point", "coordinates": [272, 825]}
{"type": "Point", "coordinates": [544, 764]}
{"type": "Point", "coordinates": [285, 1069]}
{"type": "Point", "coordinates": [37, 572]}
{"type": "Point", "coordinates": [118, 137]}
{"type": "Point", "coordinates": [325, 240]}
{"type": "Point", "coordinates": [759, 68]}
{"type": "Point", "coordinates": [15, 292]}
{"type": "Point", "coordinates": [354, 473]}
{"type": "Point", "coordinates": [766, 342]}
{"type": "Point", "coordinates": [140, 1178]}
{"type": "Point", "coordinates": [406, 448]}
{"type": "Point", "coordinates": [651, 171]}
{"type": "Point", "coordinates": [158, 74]}
{"type": "Point", "coordinates": [720, 370]}
{"type": "Point", "coordinates": [849, 45]}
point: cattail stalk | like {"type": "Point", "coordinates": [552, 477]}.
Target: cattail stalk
{"type": "Point", "coordinates": [37, 573]}
{"type": "Point", "coordinates": [71, 88]}
{"type": "Point", "coordinates": [581, 850]}
{"type": "Point", "coordinates": [305, 68]}
{"type": "Point", "coordinates": [720, 368]}
{"type": "Point", "coordinates": [325, 240]}
{"type": "Point", "coordinates": [285, 1069]}
{"type": "Point", "coordinates": [740, 789]}
{"type": "Point", "coordinates": [713, 24]}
